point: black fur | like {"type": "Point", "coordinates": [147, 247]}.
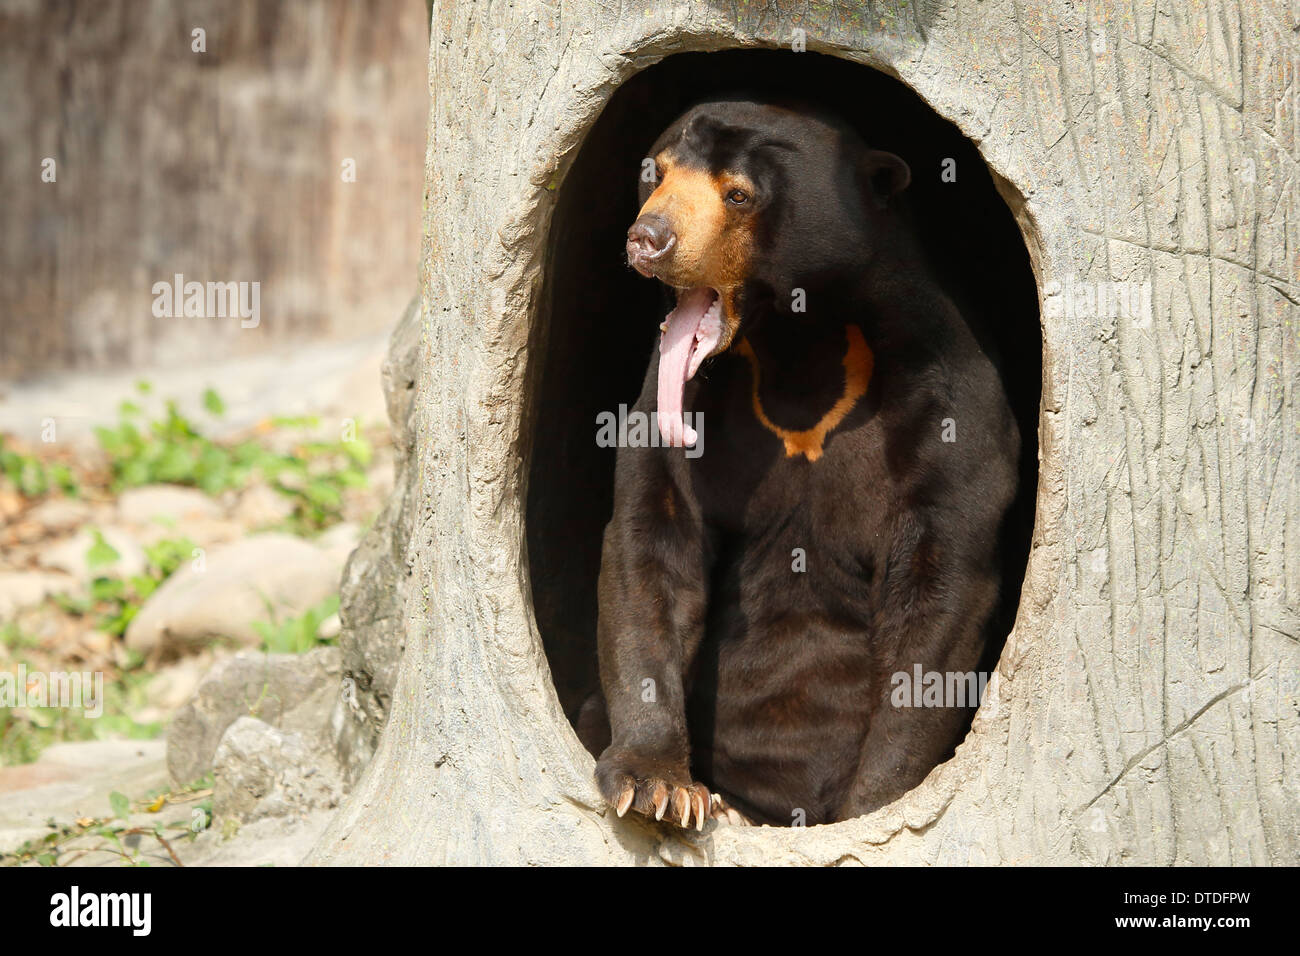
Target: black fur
{"type": "Point", "coordinates": [771, 685]}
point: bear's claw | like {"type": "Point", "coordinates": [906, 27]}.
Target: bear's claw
{"type": "Point", "coordinates": [690, 805]}
{"type": "Point", "coordinates": [726, 814]}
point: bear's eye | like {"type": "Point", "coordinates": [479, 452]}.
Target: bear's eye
{"type": "Point", "coordinates": [737, 197]}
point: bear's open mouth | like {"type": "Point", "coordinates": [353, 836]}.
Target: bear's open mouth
{"type": "Point", "coordinates": [691, 333]}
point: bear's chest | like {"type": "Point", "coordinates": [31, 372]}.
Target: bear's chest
{"type": "Point", "coordinates": [770, 469]}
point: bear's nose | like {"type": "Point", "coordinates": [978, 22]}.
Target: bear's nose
{"type": "Point", "coordinates": [649, 239]}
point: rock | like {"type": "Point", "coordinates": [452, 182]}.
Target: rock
{"type": "Point", "coordinates": [96, 642]}
{"type": "Point", "coordinates": [60, 515]}
{"type": "Point", "coordinates": [73, 780]}
{"type": "Point", "coordinates": [262, 771]}
{"type": "Point", "coordinates": [11, 503]}
{"type": "Point", "coordinates": [69, 555]}
{"type": "Point", "coordinates": [175, 685]}
{"type": "Point", "coordinates": [260, 578]}
{"type": "Point", "coordinates": [273, 841]}
{"type": "Point", "coordinates": [295, 692]}
{"type": "Point", "coordinates": [261, 505]}
{"type": "Point", "coordinates": [173, 503]}
{"type": "Point", "coordinates": [20, 589]}
{"type": "Point", "coordinates": [205, 532]}
{"type": "Point", "coordinates": [340, 540]}
{"type": "Point", "coordinates": [377, 578]}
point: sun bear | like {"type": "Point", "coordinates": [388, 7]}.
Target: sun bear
{"type": "Point", "coordinates": [756, 602]}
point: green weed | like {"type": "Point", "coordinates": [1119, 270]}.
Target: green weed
{"type": "Point", "coordinates": [297, 635]}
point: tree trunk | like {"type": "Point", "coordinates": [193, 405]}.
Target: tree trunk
{"type": "Point", "coordinates": [1145, 707]}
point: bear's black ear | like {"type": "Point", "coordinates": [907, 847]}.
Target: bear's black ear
{"type": "Point", "coordinates": [884, 174]}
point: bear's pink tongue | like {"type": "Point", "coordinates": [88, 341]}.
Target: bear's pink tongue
{"type": "Point", "coordinates": [690, 333]}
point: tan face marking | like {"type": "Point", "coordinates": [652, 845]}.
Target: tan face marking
{"type": "Point", "coordinates": [714, 242]}
{"type": "Point", "coordinates": [858, 366]}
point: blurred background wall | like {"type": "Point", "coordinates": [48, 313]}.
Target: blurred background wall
{"type": "Point", "coordinates": [224, 165]}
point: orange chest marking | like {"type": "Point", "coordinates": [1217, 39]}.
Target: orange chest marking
{"type": "Point", "coordinates": [858, 365]}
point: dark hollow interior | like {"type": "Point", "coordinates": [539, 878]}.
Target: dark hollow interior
{"type": "Point", "coordinates": [600, 319]}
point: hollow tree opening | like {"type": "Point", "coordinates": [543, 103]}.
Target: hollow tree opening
{"type": "Point", "coordinates": [599, 320]}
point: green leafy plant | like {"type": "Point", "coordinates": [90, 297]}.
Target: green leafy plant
{"type": "Point", "coordinates": [172, 450]}
{"type": "Point", "coordinates": [67, 843]}
{"type": "Point", "coordinates": [297, 635]}
{"type": "Point", "coordinates": [100, 553]}
{"type": "Point", "coordinates": [14, 638]}
{"type": "Point", "coordinates": [116, 599]}
{"type": "Point", "coordinates": [26, 731]}
{"type": "Point", "coordinates": [33, 478]}
{"type": "Point", "coordinates": [212, 403]}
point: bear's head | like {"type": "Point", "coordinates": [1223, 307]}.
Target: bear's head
{"type": "Point", "coordinates": [748, 208]}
